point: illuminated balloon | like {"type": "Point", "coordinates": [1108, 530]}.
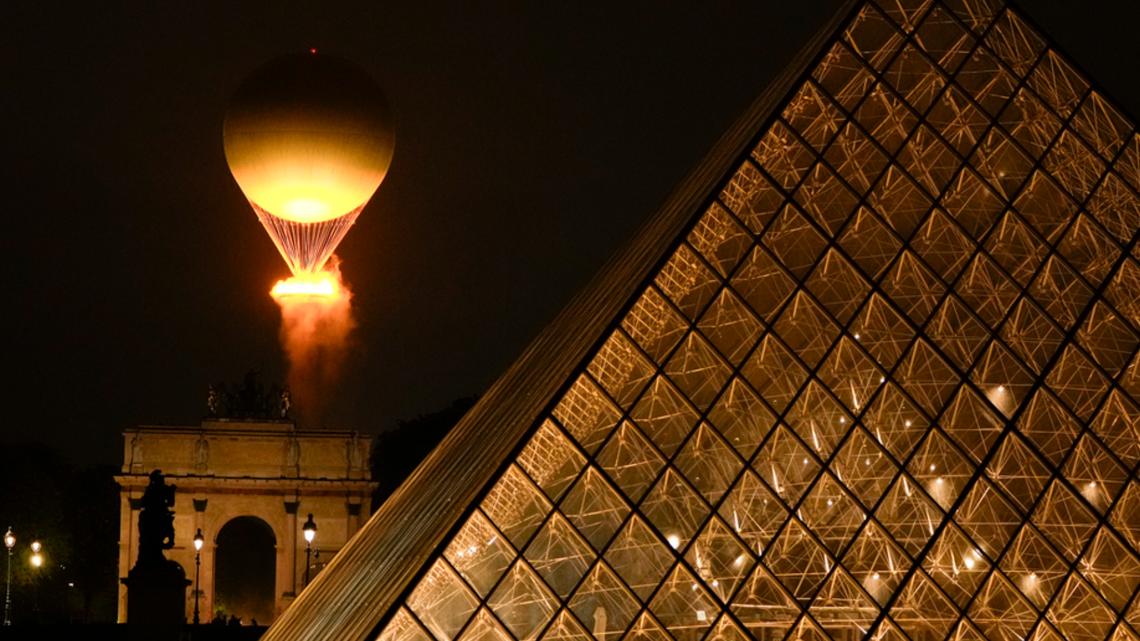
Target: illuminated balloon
{"type": "Point", "coordinates": [308, 138]}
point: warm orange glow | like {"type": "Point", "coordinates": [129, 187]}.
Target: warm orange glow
{"type": "Point", "coordinates": [309, 138]}
{"type": "Point", "coordinates": [292, 189]}
{"type": "Point", "coordinates": [322, 285]}
{"type": "Point", "coordinates": [316, 327]}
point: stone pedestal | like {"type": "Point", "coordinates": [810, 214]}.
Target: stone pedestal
{"type": "Point", "coordinates": [156, 593]}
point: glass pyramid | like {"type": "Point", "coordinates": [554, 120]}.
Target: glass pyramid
{"type": "Point", "coordinates": [885, 386]}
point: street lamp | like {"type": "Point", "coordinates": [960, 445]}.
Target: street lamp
{"type": "Point", "coordinates": [9, 542]}
{"type": "Point", "coordinates": [310, 530]}
{"type": "Point", "coordinates": [37, 561]}
{"type": "Point", "coordinates": [199, 540]}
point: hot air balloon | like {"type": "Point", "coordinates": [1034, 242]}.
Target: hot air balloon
{"type": "Point", "coordinates": [308, 138]}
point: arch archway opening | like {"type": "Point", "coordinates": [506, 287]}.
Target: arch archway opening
{"type": "Point", "coordinates": [245, 570]}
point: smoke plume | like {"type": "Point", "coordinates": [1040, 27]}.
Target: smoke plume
{"type": "Point", "coordinates": [316, 333]}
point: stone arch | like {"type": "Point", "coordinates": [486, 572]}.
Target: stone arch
{"type": "Point", "coordinates": [245, 567]}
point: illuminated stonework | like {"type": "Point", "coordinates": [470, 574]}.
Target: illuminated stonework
{"type": "Point", "coordinates": [253, 469]}
{"type": "Point", "coordinates": [883, 385]}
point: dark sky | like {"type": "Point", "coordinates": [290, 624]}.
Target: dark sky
{"type": "Point", "coordinates": [532, 139]}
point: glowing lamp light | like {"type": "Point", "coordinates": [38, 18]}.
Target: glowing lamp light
{"type": "Point", "coordinates": [1029, 583]}
{"type": "Point", "coordinates": [1003, 398]}
{"type": "Point", "coordinates": [1090, 493]}
{"type": "Point", "coordinates": [674, 541]}
{"type": "Point", "coordinates": [199, 540]}
{"type": "Point", "coordinates": [971, 558]}
{"type": "Point", "coordinates": [9, 539]}
{"type": "Point", "coordinates": [309, 529]}
{"type": "Point", "coordinates": [37, 559]}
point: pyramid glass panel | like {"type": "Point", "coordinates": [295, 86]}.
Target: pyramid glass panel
{"type": "Point", "coordinates": [763, 606]}
{"type": "Point", "coordinates": [484, 627]}
{"type": "Point", "coordinates": [843, 607]}
{"type": "Point", "coordinates": [560, 554]}
{"type": "Point", "coordinates": [755, 514]}
{"type": "Point", "coordinates": [640, 557]}
{"type": "Point", "coordinates": [898, 199]}
{"type": "Point", "coordinates": [683, 606]}
{"type": "Point", "coordinates": [603, 604]}
{"type": "Point", "coordinates": [876, 379]}
{"type": "Point", "coordinates": [863, 467]}
{"type": "Point", "coordinates": [1035, 566]}
{"type": "Point", "coordinates": [646, 629]}
{"type": "Point", "coordinates": [720, 558]}
{"type": "Point", "coordinates": [741, 417]}
{"type": "Point", "coordinates": [404, 628]}
{"type": "Point", "coordinates": [523, 602]}
{"type": "Point", "coordinates": [877, 562]}
{"type": "Point", "coordinates": [479, 553]}
{"type": "Point", "coordinates": [943, 244]}
{"type": "Point", "coordinates": [565, 628]}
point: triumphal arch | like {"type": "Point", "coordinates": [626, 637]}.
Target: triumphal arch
{"type": "Point", "coordinates": [248, 478]}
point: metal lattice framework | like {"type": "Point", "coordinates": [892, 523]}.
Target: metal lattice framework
{"type": "Point", "coordinates": [886, 386]}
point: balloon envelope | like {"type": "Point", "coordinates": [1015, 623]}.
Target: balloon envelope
{"type": "Point", "coordinates": [308, 138]}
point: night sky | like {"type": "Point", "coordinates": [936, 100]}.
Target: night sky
{"type": "Point", "coordinates": [531, 141]}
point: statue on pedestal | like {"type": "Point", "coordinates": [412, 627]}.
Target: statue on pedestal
{"type": "Point", "coordinates": [156, 520]}
{"type": "Point", "coordinates": [284, 404]}
{"type": "Point", "coordinates": [213, 401]}
{"type": "Point", "coordinates": [156, 586]}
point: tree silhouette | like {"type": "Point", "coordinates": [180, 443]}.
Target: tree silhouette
{"type": "Point", "coordinates": [73, 511]}
{"type": "Point", "coordinates": [396, 453]}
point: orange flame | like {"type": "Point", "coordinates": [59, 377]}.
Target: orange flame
{"type": "Point", "coordinates": [316, 327]}
{"type": "Point", "coordinates": [321, 285]}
